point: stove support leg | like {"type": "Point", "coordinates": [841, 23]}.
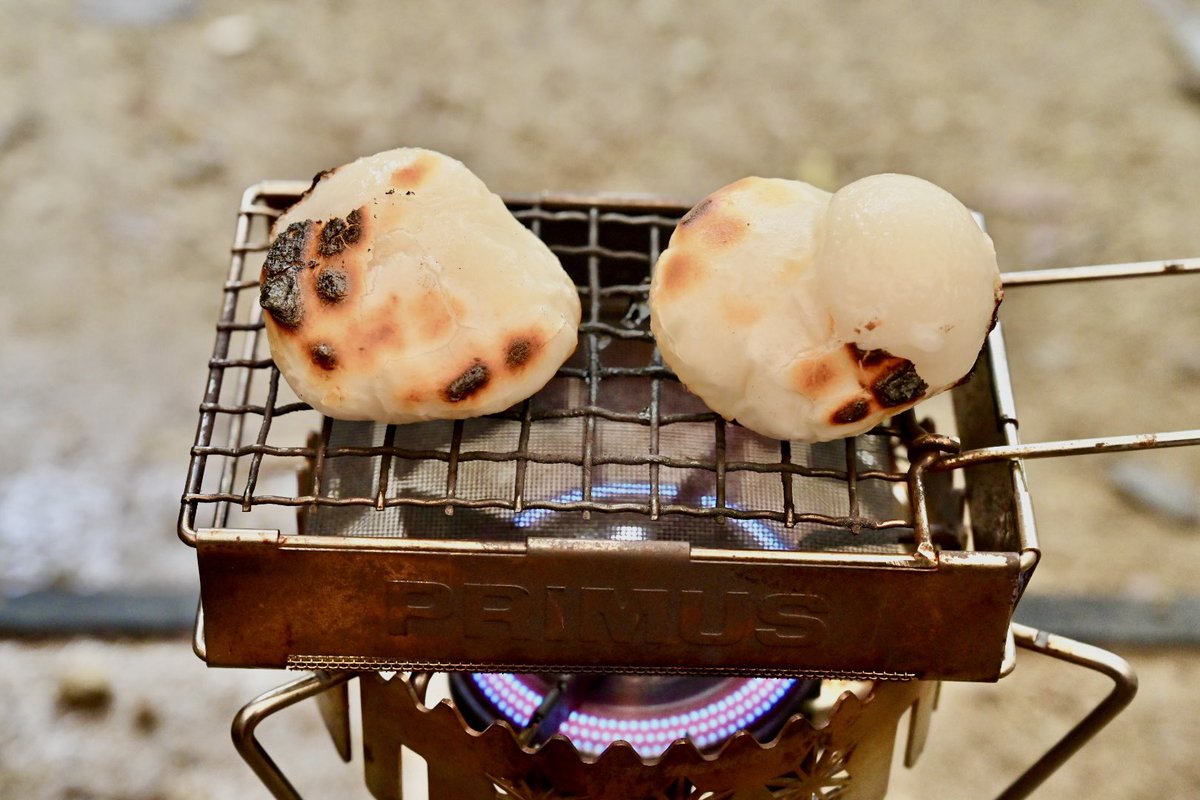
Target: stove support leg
{"type": "Point", "coordinates": [263, 706]}
{"type": "Point", "coordinates": [1084, 655]}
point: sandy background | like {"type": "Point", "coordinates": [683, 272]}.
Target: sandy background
{"type": "Point", "coordinates": [128, 130]}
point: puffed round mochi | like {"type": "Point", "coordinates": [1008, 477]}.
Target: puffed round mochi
{"type": "Point", "coordinates": [400, 289]}
{"type": "Point", "coordinates": [812, 316]}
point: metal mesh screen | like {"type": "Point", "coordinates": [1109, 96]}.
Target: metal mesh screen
{"type": "Point", "coordinates": [485, 487]}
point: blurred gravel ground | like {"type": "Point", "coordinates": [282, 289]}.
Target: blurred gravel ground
{"type": "Point", "coordinates": [129, 129]}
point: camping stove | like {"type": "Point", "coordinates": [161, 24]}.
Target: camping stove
{"type": "Point", "coordinates": [631, 597]}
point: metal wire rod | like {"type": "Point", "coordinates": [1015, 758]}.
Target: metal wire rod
{"type": "Point", "coordinates": [1063, 649]}
{"type": "Point", "coordinates": [248, 718]}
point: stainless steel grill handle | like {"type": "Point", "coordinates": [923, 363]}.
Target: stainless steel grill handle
{"type": "Point", "coordinates": [1102, 444]}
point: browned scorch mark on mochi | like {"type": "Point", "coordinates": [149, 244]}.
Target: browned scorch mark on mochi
{"type": "Point", "coordinates": [679, 272]}
{"type": "Point", "coordinates": [280, 294]}
{"type": "Point", "coordinates": [473, 379]}
{"type": "Point", "coordinates": [383, 333]}
{"type": "Point", "coordinates": [414, 174]}
{"type": "Point", "coordinates": [431, 314]}
{"type": "Point", "coordinates": [739, 311]}
{"type": "Point", "coordinates": [725, 230]}
{"type": "Point", "coordinates": [520, 349]}
{"type": "Point", "coordinates": [854, 411]}
{"type": "Point", "coordinates": [323, 356]}
{"type": "Point", "coordinates": [810, 376]}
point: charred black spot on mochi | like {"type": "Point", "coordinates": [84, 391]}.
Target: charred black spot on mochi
{"type": "Point", "coordinates": [324, 356]}
{"type": "Point", "coordinates": [280, 291]}
{"type": "Point", "coordinates": [899, 385]}
{"type": "Point", "coordinates": [331, 237]}
{"type": "Point", "coordinates": [999, 295]}
{"type": "Point", "coordinates": [519, 351]}
{"type": "Point", "coordinates": [353, 226]}
{"type": "Point", "coordinates": [338, 234]}
{"type": "Point", "coordinates": [280, 297]}
{"type": "Point", "coordinates": [332, 285]}
{"type": "Point", "coordinates": [473, 378]}
{"type": "Point", "coordinates": [854, 411]}
{"type": "Point", "coordinates": [320, 176]}
{"type": "Point", "coordinates": [697, 212]}
{"type": "Point", "coordinates": [287, 251]}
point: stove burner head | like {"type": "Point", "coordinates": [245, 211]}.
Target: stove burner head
{"type": "Point", "coordinates": [837, 743]}
{"type": "Point", "coordinates": [649, 712]}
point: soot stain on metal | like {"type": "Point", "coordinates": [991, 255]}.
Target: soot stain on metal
{"type": "Point", "coordinates": [899, 386]}
{"type": "Point", "coordinates": [280, 291]}
{"type": "Point", "coordinates": [473, 378]}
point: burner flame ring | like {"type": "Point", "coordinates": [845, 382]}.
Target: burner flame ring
{"type": "Point", "coordinates": [850, 747]}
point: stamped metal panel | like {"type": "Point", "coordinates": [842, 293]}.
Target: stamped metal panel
{"type": "Point", "coordinates": [594, 606]}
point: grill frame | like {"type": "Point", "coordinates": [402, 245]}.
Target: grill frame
{"type": "Point", "coordinates": [265, 202]}
{"type": "Point", "coordinates": [261, 567]}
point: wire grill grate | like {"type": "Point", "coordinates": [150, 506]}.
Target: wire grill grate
{"type": "Point", "coordinates": [614, 416]}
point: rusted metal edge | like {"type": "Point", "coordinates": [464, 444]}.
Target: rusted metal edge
{"type": "Point", "coordinates": [825, 558]}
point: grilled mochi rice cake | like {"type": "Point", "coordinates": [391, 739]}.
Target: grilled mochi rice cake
{"type": "Point", "coordinates": [399, 289]}
{"type": "Point", "coordinates": [809, 316]}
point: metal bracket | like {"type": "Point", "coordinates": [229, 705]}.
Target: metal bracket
{"type": "Point", "coordinates": [1084, 655]}
{"type": "Point", "coordinates": [268, 703]}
